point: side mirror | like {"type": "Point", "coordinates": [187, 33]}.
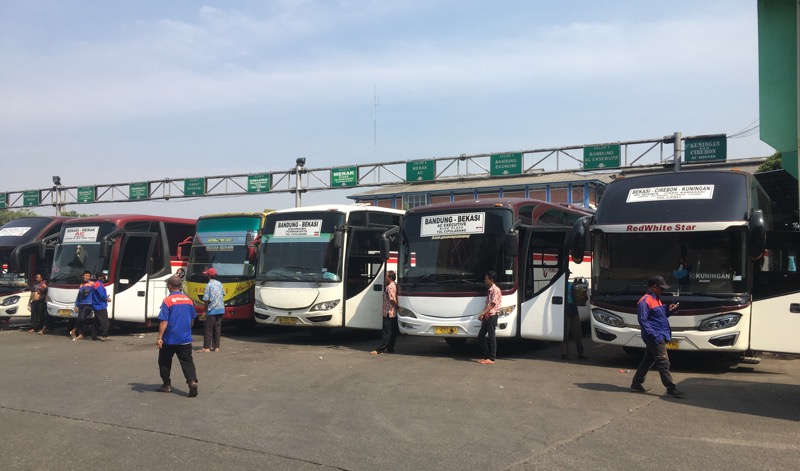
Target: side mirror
{"type": "Point", "coordinates": [42, 251]}
{"type": "Point", "coordinates": [105, 248]}
{"type": "Point", "coordinates": [580, 232]}
{"type": "Point", "coordinates": [756, 235]}
{"type": "Point", "coordinates": [385, 242]}
{"type": "Point", "coordinates": [511, 245]}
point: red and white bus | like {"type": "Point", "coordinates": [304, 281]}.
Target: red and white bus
{"type": "Point", "coordinates": [138, 252]}
{"type": "Point", "coordinates": [525, 241]}
{"type": "Point", "coordinates": [21, 261]}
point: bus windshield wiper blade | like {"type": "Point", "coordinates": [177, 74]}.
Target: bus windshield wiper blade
{"type": "Point", "coordinates": [305, 271]}
{"type": "Point", "coordinates": [424, 277]}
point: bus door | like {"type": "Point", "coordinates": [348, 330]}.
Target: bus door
{"type": "Point", "coordinates": [775, 315]}
{"type": "Point", "coordinates": [130, 301]}
{"type": "Point", "coordinates": [364, 279]}
{"type": "Point", "coordinates": [543, 285]}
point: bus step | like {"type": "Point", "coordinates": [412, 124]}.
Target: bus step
{"type": "Point", "coordinates": [750, 360]}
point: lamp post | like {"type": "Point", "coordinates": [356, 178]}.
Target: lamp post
{"type": "Point", "coordinates": [298, 189]}
{"type": "Point", "coordinates": [57, 186]}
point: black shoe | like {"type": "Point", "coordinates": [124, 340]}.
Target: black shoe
{"type": "Point", "coordinates": [581, 356]}
{"type": "Point", "coordinates": [640, 388]}
{"type": "Point", "coordinates": [165, 388]}
{"type": "Point", "coordinates": [675, 394]}
{"type": "Point", "coordinates": [565, 357]}
{"type": "Point", "coordinates": [193, 389]}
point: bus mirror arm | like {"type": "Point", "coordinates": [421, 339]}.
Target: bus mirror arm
{"type": "Point", "coordinates": [756, 235]}
{"type": "Point", "coordinates": [338, 237]}
{"type": "Point", "coordinates": [511, 243]}
{"type": "Point", "coordinates": [385, 238]}
{"type": "Point", "coordinates": [580, 232]}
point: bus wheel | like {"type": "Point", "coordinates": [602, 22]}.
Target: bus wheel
{"type": "Point", "coordinates": [632, 350]}
{"type": "Point", "coordinates": [455, 341]}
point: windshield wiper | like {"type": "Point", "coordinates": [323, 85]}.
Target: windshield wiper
{"type": "Point", "coordinates": [424, 277]}
{"type": "Point", "coordinates": [305, 271]}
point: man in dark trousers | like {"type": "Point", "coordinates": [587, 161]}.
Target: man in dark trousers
{"type": "Point", "coordinates": [176, 317]}
{"type": "Point", "coordinates": [38, 306]}
{"type": "Point", "coordinates": [83, 305]}
{"type": "Point", "coordinates": [488, 318]}
{"type": "Point", "coordinates": [390, 327]}
{"type": "Point", "coordinates": [655, 334]}
{"type": "Point", "coordinates": [100, 301]}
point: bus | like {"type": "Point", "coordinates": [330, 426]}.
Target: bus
{"type": "Point", "coordinates": [227, 243]}
{"type": "Point", "coordinates": [138, 252]}
{"type": "Point", "coordinates": [715, 239]}
{"type": "Point", "coordinates": [321, 266]}
{"type": "Point", "coordinates": [453, 245]}
{"type": "Point", "coordinates": [20, 259]}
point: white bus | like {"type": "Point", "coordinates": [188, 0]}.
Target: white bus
{"type": "Point", "coordinates": [138, 252]}
{"type": "Point", "coordinates": [525, 241]}
{"type": "Point", "coordinates": [706, 233]}
{"type": "Point", "coordinates": [321, 266]}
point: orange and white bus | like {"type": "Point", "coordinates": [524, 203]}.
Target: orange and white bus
{"type": "Point", "coordinates": [138, 252]}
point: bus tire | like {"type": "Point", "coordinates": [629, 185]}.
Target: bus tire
{"type": "Point", "coordinates": [455, 341]}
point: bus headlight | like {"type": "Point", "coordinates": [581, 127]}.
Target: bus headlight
{"type": "Point", "coordinates": [605, 317]}
{"type": "Point", "coordinates": [326, 306]}
{"type": "Point", "coordinates": [240, 300]}
{"type": "Point", "coordinates": [506, 311]}
{"type": "Point", "coordinates": [11, 300]}
{"type": "Point", "coordinates": [403, 312]}
{"type": "Point", "coordinates": [260, 304]}
{"type": "Point", "coordinates": [720, 322]}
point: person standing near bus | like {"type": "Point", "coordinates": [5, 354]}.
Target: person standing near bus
{"type": "Point", "coordinates": [83, 305]}
{"type": "Point", "coordinates": [488, 318]}
{"type": "Point", "coordinates": [390, 327]}
{"type": "Point", "coordinates": [655, 334]}
{"type": "Point", "coordinates": [38, 305]}
{"type": "Point", "coordinates": [176, 317]}
{"type": "Point", "coordinates": [214, 297]}
{"type": "Point", "coordinates": [100, 299]}
{"type": "Point", "coordinates": [572, 325]}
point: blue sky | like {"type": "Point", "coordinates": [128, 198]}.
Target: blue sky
{"type": "Point", "coordinates": [111, 92]}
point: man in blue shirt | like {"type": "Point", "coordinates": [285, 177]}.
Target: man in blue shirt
{"type": "Point", "coordinates": [83, 305]}
{"type": "Point", "coordinates": [214, 296]}
{"type": "Point", "coordinates": [176, 317]}
{"type": "Point", "coordinates": [655, 334]}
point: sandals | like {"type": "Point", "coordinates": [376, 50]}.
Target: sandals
{"type": "Point", "coordinates": [486, 361]}
{"type": "Point", "coordinates": [375, 352]}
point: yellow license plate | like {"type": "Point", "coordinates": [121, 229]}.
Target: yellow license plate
{"type": "Point", "coordinates": [65, 312]}
{"type": "Point", "coordinates": [672, 344]}
{"type": "Point", "coordinates": [445, 330]}
{"type": "Point", "coordinates": [287, 320]}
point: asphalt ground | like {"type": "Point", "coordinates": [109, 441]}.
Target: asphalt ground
{"type": "Point", "coordinates": [289, 399]}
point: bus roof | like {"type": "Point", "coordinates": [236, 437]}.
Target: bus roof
{"type": "Point", "coordinates": [237, 215]}
{"type": "Point", "coordinates": [120, 219]}
{"type": "Point", "coordinates": [342, 208]}
{"type": "Point", "coordinates": [516, 204]}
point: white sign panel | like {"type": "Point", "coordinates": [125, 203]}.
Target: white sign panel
{"type": "Point", "coordinates": [303, 228]}
{"type": "Point", "coordinates": [452, 224]}
{"type": "Point", "coordinates": [669, 193]}
{"type": "Point", "coordinates": [75, 235]}
{"type": "Point", "coordinates": [14, 231]}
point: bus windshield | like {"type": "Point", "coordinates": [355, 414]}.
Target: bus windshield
{"type": "Point", "coordinates": [453, 251]}
{"type": "Point", "coordinates": [79, 250]}
{"type": "Point", "coordinates": [299, 246]}
{"type": "Point", "coordinates": [225, 244]}
{"type": "Point", "coordinates": [700, 263]}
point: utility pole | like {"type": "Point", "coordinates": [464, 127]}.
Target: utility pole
{"type": "Point", "coordinates": [678, 151]}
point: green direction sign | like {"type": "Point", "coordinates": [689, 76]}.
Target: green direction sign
{"type": "Point", "coordinates": [139, 191]}
{"type": "Point", "coordinates": [2, 200]}
{"type": "Point", "coordinates": [85, 194]}
{"type": "Point", "coordinates": [706, 149]}
{"type": "Point", "coordinates": [506, 164]}
{"type": "Point", "coordinates": [30, 198]}
{"type": "Point", "coordinates": [607, 156]}
{"type": "Point", "coordinates": [344, 176]}
{"type": "Point", "coordinates": [194, 186]}
{"type": "Point", "coordinates": [420, 171]}
{"type": "Point", "coordinates": [258, 183]}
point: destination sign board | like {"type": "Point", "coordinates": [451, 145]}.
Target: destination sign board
{"type": "Point", "coordinates": [299, 228]}
{"type": "Point", "coordinates": [452, 224]}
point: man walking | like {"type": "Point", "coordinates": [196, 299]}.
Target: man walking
{"type": "Point", "coordinates": [390, 327]}
{"type": "Point", "coordinates": [655, 334]}
{"type": "Point", "coordinates": [488, 318]}
{"type": "Point", "coordinates": [214, 297]}
{"type": "Point", "coordinates": [176, 317]}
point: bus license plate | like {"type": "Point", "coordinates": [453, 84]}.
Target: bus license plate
{"type": "Point", "coordinates": [672, 344]}
{"type": "Point", "coordinates": [65, 312]}
{"type": "Point", "coordinates": [445, 330]}
{"type": "Point", "coordinates": [287, 320]}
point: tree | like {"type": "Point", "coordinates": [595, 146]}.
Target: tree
{"type": "Point", "coordinates": [75, 214]}
{"type": "Point", "coordinates": [773, 162]}
{"type": "Point", "coordinates": [9, 215]}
